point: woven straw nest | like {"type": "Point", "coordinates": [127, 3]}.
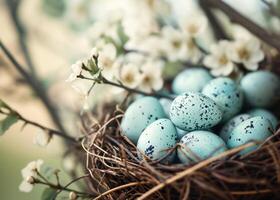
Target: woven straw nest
{"type": "Point", "coordinates": [117, 173]}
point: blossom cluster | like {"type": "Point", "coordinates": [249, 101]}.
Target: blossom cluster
{"type": "Point", "coordinates": [135, 41]}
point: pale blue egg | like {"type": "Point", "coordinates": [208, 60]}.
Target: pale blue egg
{"type": "Point", "coordinates": [254, 129]}
{"type": "Point", "coordinates": [227, 94]}
{"type": "Point", "coordinates": [139, 115]}
{"type": "Point", "coordinates": [266, 114]}
{"type": "Point", "coordinates": [191, 80]}
{"type": "Point", "coordinates": [199, 145]}
{"type": "Point", "coordinates": [231, 124]}
{"type": "Point", "coordinates": [194, 111]}
{"type": "Point", "coordinates": [261, 88]}
{"type": "Point", "coordinates": [158, 139]}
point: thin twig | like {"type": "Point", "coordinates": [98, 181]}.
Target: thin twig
{"type": "Point", "coordinates": [59, 187]}
{"type": "Point", "coordinates": [218, 30]}
{"type": "Point", "coordinates": [119, 188]}
{"type": "Point", "coordinates": [132, 90]}
{"type": "Point", "coordinates": [254, 28]}
{"type": "Point", "coordinates": [51, 131]}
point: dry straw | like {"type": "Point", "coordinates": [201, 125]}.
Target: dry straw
{"type": "Point", "coordinates": [117, 173]}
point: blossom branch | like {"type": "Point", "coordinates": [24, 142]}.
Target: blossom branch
{"type": "Point", "coordinates": [49, 130]}
{"type": "Point", "coordinates": [236, 17]}
{"type": "Point", "coordinates": [119, 85]}
{"type": "Point", "coordinates": [61, 188]}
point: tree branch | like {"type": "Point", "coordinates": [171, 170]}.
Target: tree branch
{"type": "Point", "coordinates": [36, 86]}
{"type": "Point", "coordinates": [216, 26]}
{"type": "Point", "coordinates": [247, 23]}
{"type": "Point", "coordinates": [13, 7]}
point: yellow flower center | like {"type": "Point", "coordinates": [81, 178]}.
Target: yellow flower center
{"type": "Point", "coordinates": [128, 78]}
{"type": "Point", "coordinates": [147, 80]}
{"type": "Point", "coordinates": [223, 60]}
{"type": "Point", "coordinates": [192, 29]}
{"type": "Point", "coordinates": [176, 44]}
{"type": "Point", "coordinates": [243, 53]}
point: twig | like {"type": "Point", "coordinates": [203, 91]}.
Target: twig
{"type": "Point", "coordinates": [59, 187]}
{"type": "Point", "coordinates": [36, 86]}
{"type": "Point", "coordinates": [70, 183]}
{"type": "Point", "coordinates": [132, 90]}
{"type": "Point", "coordinates": [271, 9]}
{"type": "Point", "coordinates": [119, 188]}
{"type": "Point", "coordinates": [236, 17]}
{"type": "Point", "coordinates": [216, 26]}
{"type": "Point", "coordinates": [13, 7]}
{"type": "Point", "coordinates": [51, 131]}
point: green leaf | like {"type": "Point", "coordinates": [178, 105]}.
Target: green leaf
{"type": "Point", "coordinates": [48, 194]}
{"type": "Point", "coordinates": [7, 122]}
{"type": "Point", "coordinates": [123, 37]}
{"type": "Point", "coordinates": [3, 104]}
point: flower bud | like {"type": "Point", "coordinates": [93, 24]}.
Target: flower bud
{"type": "Point", "coordinates": [30, 180]}
{"type": "Point", "coordinates": [72, 196]}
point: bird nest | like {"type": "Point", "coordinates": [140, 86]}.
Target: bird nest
{"type": "Point", "coordinates": [117, 172]}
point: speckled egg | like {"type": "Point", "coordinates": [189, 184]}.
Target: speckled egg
{"type": "Point", "coordinates": [261, 88]}
{"type": "Point", "coordinates": [231, 124]}
{"type": "Point", "coordinates": [191, 80]}
{"type": "Point", "coordinates": [227, 94]}
{"type": "Point", "coordinates": [253, 129]}
{"type": "Point", "coordinates": [194, 111]}
{"type": "Point", "coordinates": [158, 139]}
{"type": "Point", "coordinates": [199, 145]}
{"type": "Point", "coordinates": [266, 114]}
{"type": "Point", "coordinates": [139, 115]}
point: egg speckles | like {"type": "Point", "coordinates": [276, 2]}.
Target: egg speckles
{"type": "Point", "coordinates": [139, 115]}
{"type": "Point", "coordinates": [157, 140]}
{"type": "Point", "coordinates": [266, 114]}
{"type": "Point", "coordinates": [261, 88]}
{"type": "Point", "coordinates": [199, 145]}
{"type": "Point", "coordinates": [253, 129]}
{"type": "Point", "coordinates": [231, 124]}
{"type": "Point", "coordinates": [194, 111]}
{"type": "Point", "coordinates": [191, 80]}
{"type": "Point", "coordinates": [226, 93]}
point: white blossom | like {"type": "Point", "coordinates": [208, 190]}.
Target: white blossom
{"type": "Point", "coordinates": [193, 25]}
{"type": "Point", "coordinates": [77, 13]}
{"type": "Point", "coordinates": [107, 55]}
{"type": "Point", "coordinates": [218, 60]}
{"type": "Point", "coordinates": [248, 52]}
{"type": "Point", "coordinates": [139, 19]}
{"type": "Point", "coordinates": [28, 173]}
{"type": "Point", "coordinates": [173, 44]}
{"type": "Point", "coordinates": [76, 71]}
{"type": "Point", "coordinates": [130, 75]}
{"type": "Point", "coordinates": [42, 138]}
{"type": "Point", "coordinates": [151, 78]}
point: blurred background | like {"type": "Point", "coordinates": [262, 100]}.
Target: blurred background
{"type": "Point", "coordinates": [55, 34]}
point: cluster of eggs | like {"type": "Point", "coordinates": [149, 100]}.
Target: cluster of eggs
{"type": "Point", "coordinates": [203, 105]}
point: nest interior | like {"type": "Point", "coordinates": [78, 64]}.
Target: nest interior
{"type": "Point", "coordinates": [116, 172]}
